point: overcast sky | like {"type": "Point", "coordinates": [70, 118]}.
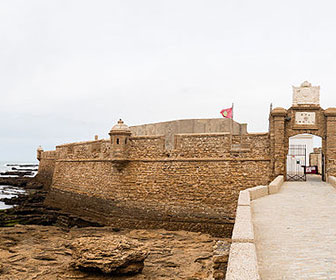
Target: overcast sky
{"type": "Point", "coordinates": [71, 69]}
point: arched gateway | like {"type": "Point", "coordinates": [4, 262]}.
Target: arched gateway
{"type": "Point", "coordinates": [305, 116]}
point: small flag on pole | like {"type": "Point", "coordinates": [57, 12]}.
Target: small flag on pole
{"type": "Point", "coordinates": [227, 113]}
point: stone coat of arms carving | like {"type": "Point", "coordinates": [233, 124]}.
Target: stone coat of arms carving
{"type": "Point", "coordinates": [306, 94]}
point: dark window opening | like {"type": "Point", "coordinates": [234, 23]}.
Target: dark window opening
{"type": "Point", "coordinates": [118, 141]}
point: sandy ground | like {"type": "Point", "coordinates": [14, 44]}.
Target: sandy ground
{"type": "Point", "coordinates": [42, 252]}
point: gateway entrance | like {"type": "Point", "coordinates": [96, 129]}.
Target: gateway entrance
{"type": "Point", "coordinates": [296, 163]}
{"type": "Point", "coordinates": [305, 116]}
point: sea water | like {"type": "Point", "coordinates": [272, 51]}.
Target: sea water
{"type": "Point", "coordinates": [4, 167]}
{"type": "Point", "coordinates": [7, 191]}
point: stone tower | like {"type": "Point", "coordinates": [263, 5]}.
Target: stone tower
{"type": "Point", "coordinates": [119, 137]}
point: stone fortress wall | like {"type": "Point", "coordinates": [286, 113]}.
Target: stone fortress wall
{"type": "Point", "coordinates": [137, 183]}
{"type": "Point", "coordinates": [47, 161]}
{"type": "Point", "coordinates": [170, 128]}
{"type": "Point", "coordinates": [187, 178]}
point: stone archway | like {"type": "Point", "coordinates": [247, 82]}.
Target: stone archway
{"type": "Point", "coordinates": [304, 117]}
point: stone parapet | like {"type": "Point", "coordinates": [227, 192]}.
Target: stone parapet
{"type": "Point", "coordinates": [244, 198]}
{"type": "Point", "coordinates": [202, 145]}
{"type": "Point", "coordinates": [242, 262]}
{"type": "Point", "coordinates": [257, 192]}
{"type": "Point", "coordinates": [173, 160]}
{"type": "Point", "coordinates": [276, 184]}
{"type": "Point", "coordinates": [332, 181]}
{"type": "Point", "coordinates": [189, 126]}
{"type": "Point", "coordinates": [49, 155]}
{"type": "Point", "coordinates": [243, 228]}
{"type": "Point", "coordinates": [82, 143]}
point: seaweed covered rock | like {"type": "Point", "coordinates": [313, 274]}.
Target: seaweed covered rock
{"type": "Point", "coordinates": [108, 255]}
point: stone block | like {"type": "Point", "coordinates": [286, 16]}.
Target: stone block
{"type": "Point", "coordinates": [244, 198]}
{"type": "Point", "coordinates": [243, 227]}
{"type": "Point", "coordinates": [276, 184]}
{"type": "Point", "coordinates": [242, 262]}
{"type": "Point", "coordinates": [257, 192]}
{"type": "Point", "coordinates": [332, 181]}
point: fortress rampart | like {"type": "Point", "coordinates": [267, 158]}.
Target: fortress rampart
{"type": "Point", "coordinates": [170, 128]}
{"type": "Point", "coordinates": [135, 181]}
{"type": "Point", "coordinates": [46, 166]}
{"type": "Point", "coordinates": [183, 174]}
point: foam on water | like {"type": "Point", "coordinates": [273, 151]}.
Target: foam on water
{"type": "Point", "coordinates": [9, 192]}
{"type": "Point", "coordinates": [4, 167]}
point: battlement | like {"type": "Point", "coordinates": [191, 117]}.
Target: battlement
{"type": "Point", "coordinates": [189, 126]}
{"type": "Point", "coordinates": [49, 154]}
{"type": "Point", "coordinates": [186, 145]}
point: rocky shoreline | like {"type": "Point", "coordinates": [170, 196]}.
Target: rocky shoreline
{"type": "Point", "coordinates": [30, 210]}
{"type": "Point", "coordinates": [39, 242]}
{"type": "Point", "coordinates": [51, 253]}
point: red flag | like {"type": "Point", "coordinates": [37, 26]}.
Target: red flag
{"type": "Point", "coordinates": [227, 113]}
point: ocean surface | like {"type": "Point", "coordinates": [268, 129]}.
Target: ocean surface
{"type": "Point", "coordinates": [8, 166]}
{"type": "Point", "coordinates": [7, 191]}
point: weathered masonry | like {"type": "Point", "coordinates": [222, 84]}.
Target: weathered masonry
{"type": "Point", "coordinates": [305, 116]}
{"type": "Point", "coordinates": [182, 174]}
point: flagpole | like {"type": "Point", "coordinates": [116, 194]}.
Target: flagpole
{"type": "Point", "coordinates": [232, 126]}
{"type": "Point", "coordinates": [232, 110]}
{"type": "Point", "coordinates": [232, 120]}
{"type": "Point", "coordinates": [269, 116]}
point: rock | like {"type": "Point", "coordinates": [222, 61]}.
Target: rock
{"type": "Point", "coordinates": [34, 184]}
{"type": "Point", "coordinates": [28, 165]}
{"type": "Point", "coordinates": [15, 181]}
{"type": "Point", "coordinates": [109, 255]}
{"type": "Point", "coordinates": [17, 173]}
{"type": "Point", "coordinates": [25, 169]}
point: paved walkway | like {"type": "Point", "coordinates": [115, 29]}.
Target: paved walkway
{"type": "Point", "coordinates": [295, 232]}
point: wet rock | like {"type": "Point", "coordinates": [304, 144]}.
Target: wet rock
{"type": "Point", "coordinates": [22, 165]}
{"type": "Point", "coordinates": [109, 255]}
{"type": "Point", "coordinates": [30, 209]}
{"type": "Point", "coordinates": [28, 165]}
{"type": "Point", "coordinates": [16, 173]}
{"type": "Point", "coordinates": [15, 181]}
{"type": "Point", "coordinates": [24, 169]}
